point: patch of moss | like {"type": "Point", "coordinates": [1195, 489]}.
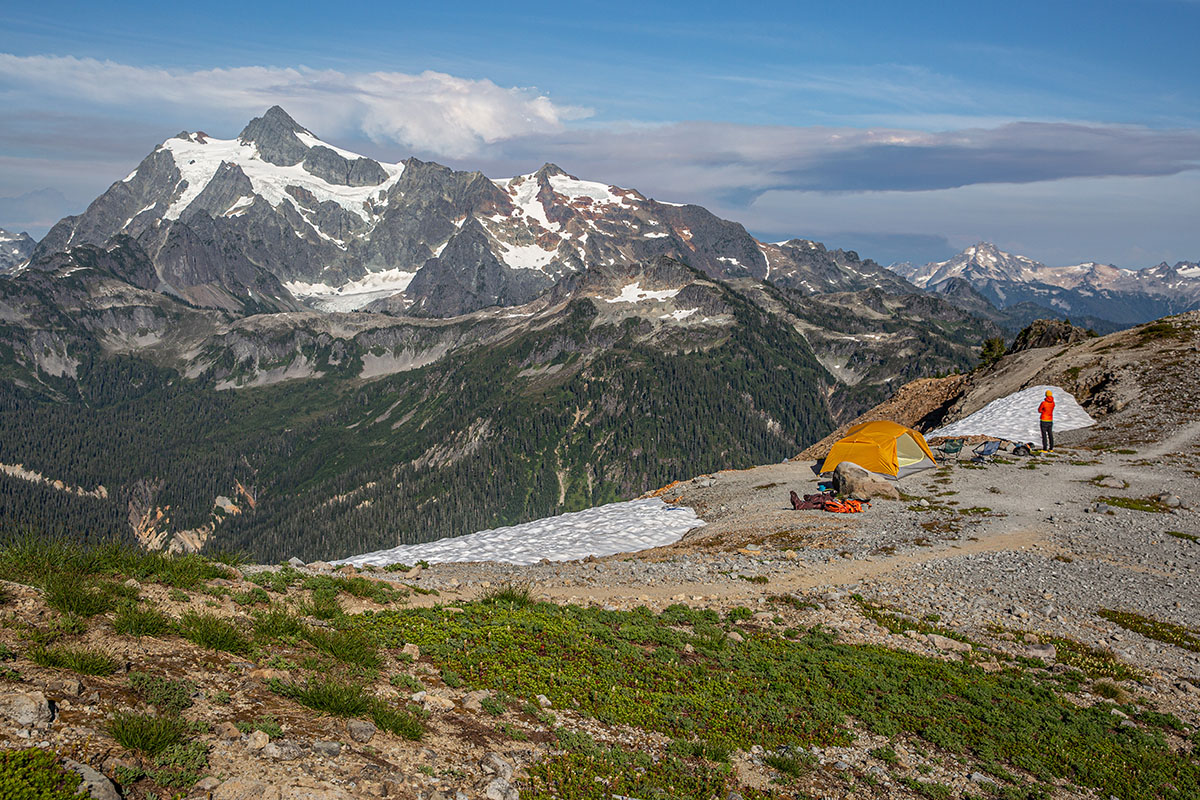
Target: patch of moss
{"type": "Point", "coordinates": [36, 775]}
{"type": "Point", "coordinates": [1148, 504]}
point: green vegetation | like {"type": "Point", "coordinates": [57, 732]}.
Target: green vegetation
{"type": "Point", "coordinates": [1190, 537]}
{"type": "Point", "coordinates": [1148, 504]}
{"type": "Point", "coordinates": [168, 696]}
{"type": "Point", "coordinates": [774, 692]}
{"type": "Point", "coordinates": [992, 351]}
{"type": "Point", "coordinates": [36, 775]}
{"type": "Point", "coordinates": [1166, 632]}
{"type": "Point", "coordinates": [146, 732]}
{"type": "Point", "coordinates": [332, 695]}
{"type": "Point", "coordinates": [84, 660]}
{"type": "Point", "coordinates": [350, 646]}
{"type": "Point", "coordinates": [213, 632]}
{"type": "Point", "coordinates": [297, 448]}
{"type": "Point", "coordinates": [69, 593]}
{"type": "Point", "coordinates": [895, 621]}
{"type": "Point", "coordinates": [133, 620]}
{"type": "Point", "coordinates": [268, 725]}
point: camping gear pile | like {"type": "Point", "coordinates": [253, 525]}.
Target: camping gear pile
{"type": "Point", "coordinates": [827, 501]}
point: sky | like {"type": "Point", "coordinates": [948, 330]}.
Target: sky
{"type": "Point", "coordinates": [1066, 132]}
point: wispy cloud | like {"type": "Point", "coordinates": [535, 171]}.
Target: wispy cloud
{"type": "Point", "coordinates": [429, 111]}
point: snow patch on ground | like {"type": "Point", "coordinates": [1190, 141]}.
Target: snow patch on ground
{"type": "Point", "coordinates": [526, 256]}
{"type": "Point", "coordinates": [602, 531]}
{"type": "Point", "coordinates": [524, 191]}
{"type": "Point", "coordinates": [572, 188]}
{"type": "Point", "coordinates": [355, 294]}
{"type": "Point", "coordinates": [1015, 418]}
{"type": "Point", "coordinates": [633, 293]}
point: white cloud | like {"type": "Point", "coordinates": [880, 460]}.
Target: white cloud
{"type": "Point", "coordinates": [432, 111]}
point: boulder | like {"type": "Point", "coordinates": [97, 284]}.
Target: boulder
{"type": "Point", "coordinates": [854, 481]}
{"type": "Point", "coordinates": [95, 784]}
{"type": "Point", "coordinates": [26, 708]}
{"type": "Point", "coordinates": [948, 644]}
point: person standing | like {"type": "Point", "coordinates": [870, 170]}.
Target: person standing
{"type": "Point", "coordinates": [1046, 410]}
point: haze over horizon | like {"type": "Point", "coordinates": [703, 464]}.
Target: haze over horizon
{"type": "Point", "coordinates": [904, 133]}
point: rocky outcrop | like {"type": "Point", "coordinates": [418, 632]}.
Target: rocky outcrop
{"type": "Point", "coordinates": [854, 481]}
{"type": "Point", "coordinates": [1049, 333]}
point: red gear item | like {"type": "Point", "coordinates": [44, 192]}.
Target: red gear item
{"type": "Point", "coordinates": [1046, 409]}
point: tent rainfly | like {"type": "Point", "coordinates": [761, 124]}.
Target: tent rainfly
{"type": "Point", "coordinates": [884, 447]}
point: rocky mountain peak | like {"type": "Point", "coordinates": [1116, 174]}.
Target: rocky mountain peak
{"type": "Point", "coordinates": [275, 135]}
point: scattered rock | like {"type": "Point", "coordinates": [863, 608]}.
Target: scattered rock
{"type": "Point", "coordinates": [360, 730]}
{"type": "Point", "coordinates": [735, 637]}
{"type": "Point", "coordinates": [1046, 652]}
{"type": "Point", "coordinates": [544, 701]}
{"type": "Point", "coordinates": [856, 482]}
{"type": "Point", "coordinates": [320, 566]}
{"type": "Point", "coordinates": [257, 741]}
{"type": "Point", "coordinates": [412, 651]}
{"type": "Point", "coordinates": [948, 644]}
{"type": "Point", "coordinates": [329, 749]}
{"type": "Point", "coordinates": [283, 750]}
{"type": "Point", "coordinates": [435, 702]}
{"type": "Point", "coordinates": [26, 708]}
{"type": "Point", "coordinates": [295, 562]}
{"type": "Point", "coordinates": [500, 789]}
{"type": "Point", "coordinates": [979, 777]}
{"type": "Point", "coordinates": [245, 789]}
{"type": "Point", "coordinates": [227, 730]}
{"type": "Point", "coordinates": [207, 784]}
{"type": "Point", "coordinates": [495, 764]}
{"type": "Point", "coordinates": [474, 700]}
{"type": "Point", "coordinates": [97, 786]}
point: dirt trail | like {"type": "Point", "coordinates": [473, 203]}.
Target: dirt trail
{"type": "Point", "coordinates": [805, 576]}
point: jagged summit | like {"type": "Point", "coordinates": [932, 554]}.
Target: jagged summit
{"type": "Point", "coordinates": [343, 232]}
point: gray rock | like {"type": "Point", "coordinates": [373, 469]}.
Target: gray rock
{"type": "Point", "coordinates": [330, 749]}
{"type": "Point", "coordinates": [544, 701]}
{"type": "Point", "coordinates": [948, 644]}
{"type": "Point", "coordinates": [97, 786]}
{"type": "Point", "coordinates": [979, 777]}
{"type": "Point", "coordinates": [495, 764]}
{"type": "Point", "coordinates": [360, 730]}
{"type": "Point", "coordinates": [1046, 652]}
{"type": "Point", "coordinates": [257, 740]}
{"type": "Point", "coordinates": [283, 750]}
{"type": "Point", "coordinates": [26, 708]}
{"type": "Point", "coordinates": [500, 789]}
{"type": "Point", "coordinates": [295, 562]}
{"type": "Point", "coordinates": [854, 481]}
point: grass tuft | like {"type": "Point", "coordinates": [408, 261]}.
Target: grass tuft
{"type": "Point", "coordinates": [149, 734]}
{"type": "Point", "coordinates": [132, 620]}
{"type": "Point", "coordinates": [213, 632]}
{"type": "Point", "coordinates": [84, 660]}
{"type": "Point", "coordinates": [509, 595]}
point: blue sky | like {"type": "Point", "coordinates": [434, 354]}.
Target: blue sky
{"type": "Point", "coordinates": [1064, 131]}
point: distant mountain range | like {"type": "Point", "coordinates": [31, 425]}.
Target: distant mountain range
{"type": "Point", "coordinates": [272, 344]}
{"type": "Point", "coordinates": [15, 249]}
{"type": "Point", "coordinates": [1108, 295]}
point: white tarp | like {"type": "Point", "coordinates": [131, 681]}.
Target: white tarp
{"type": "Point", "coordinates": [601, 531]}
{"type": "Point", "coordinates": [1015, 418]}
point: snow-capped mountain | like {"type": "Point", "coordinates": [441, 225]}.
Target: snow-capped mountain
{"type": "Point", "coordinates": [1102, 291]}
{"type": "Point", "coordinates": [276, 217]}
{"type": "Point", "coordinates": [15, 249]}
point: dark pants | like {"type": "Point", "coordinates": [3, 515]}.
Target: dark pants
{"type": "Point", "coordinates": [1047, 435]}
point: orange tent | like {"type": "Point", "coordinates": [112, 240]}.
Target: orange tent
{"type": "Point", "coordinates": [887, 448]}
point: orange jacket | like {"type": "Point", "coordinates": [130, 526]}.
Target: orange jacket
{"type": "Point", "coordinates": [1046, 409]}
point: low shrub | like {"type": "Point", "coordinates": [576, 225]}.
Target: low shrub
{"type": "Point", "coordinates": [168, 696]}
{"type": "Point", "coordinates": [36, 775]}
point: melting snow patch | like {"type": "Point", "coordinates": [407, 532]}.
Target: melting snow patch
{"type": "Point", "coordinates": [1015, 418]}
{"type": "Point", "coordinates": [530, 256]}
{"type": "Point", "coordinates": [354, 295]}
{"type": "Point", "coordinates": [602, 531]}
{"type": "Point", "coordinates": [633, 293]}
